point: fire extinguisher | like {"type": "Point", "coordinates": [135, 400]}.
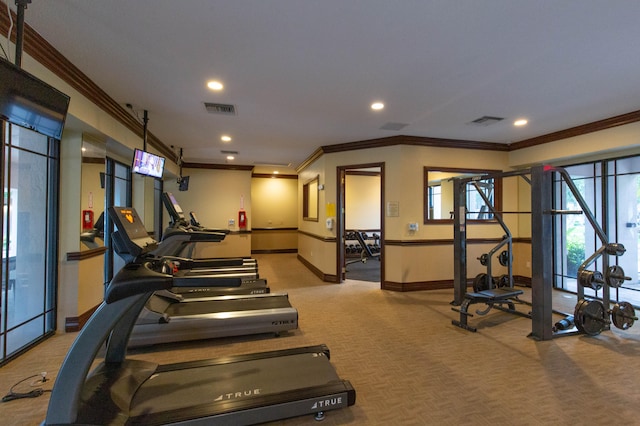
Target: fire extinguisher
{"type": "Point", "coordinates": [87, 220]}
{"type": "Point", "coordinates": [242, 216]}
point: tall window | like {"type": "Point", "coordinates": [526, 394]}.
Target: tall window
{"type": "Point", "coordinates": [30, 176]}
{"type": "Point", "coordinates": [611, 188]}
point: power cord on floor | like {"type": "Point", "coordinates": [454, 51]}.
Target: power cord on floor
{"type": "Point", "coordinates": [40, 378]}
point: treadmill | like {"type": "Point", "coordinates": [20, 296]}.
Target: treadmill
{"type": "Point", "coordinates": [170, 317]}
{"type": "Point", "coordinates": [239, 390]}
{"type": "Point", "coordinates": [175, 244]}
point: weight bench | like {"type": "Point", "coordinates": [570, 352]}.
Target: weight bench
{"type": "Point", "coordinates": [495, 297]}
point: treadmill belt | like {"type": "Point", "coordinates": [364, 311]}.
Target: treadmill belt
{"type": "Point", "coordinates": [184, 388]}
{"type": "Point", "coordinates": [227, 305]}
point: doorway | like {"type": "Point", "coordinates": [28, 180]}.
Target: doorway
{"type": "Point", "coordinates": [360, 222]}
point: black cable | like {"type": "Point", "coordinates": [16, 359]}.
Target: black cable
{"type": "Point", "coordinates": [12, 395]}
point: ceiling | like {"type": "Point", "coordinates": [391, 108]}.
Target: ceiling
{"type": "Point", "coordinates": [303, 73]}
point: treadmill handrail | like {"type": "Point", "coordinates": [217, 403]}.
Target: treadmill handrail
{"type": "Point", "coordinates": [137, 278]}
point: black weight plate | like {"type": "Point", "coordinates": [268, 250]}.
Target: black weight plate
{"type": "Point", "coordinates": [504, 258]}
{"type": "Point", "coordinates": [480, 283]}
{"type": "Point", "coordinates": [503, 281]}
{"type": "Point", "coordinates": [623, 315]}
{"type": "Point", "coordinates": [614, 276]}
{"type": "Point", "coordinates": [589, 317]}
{"type": "Point", "coordinates": [576, 315]}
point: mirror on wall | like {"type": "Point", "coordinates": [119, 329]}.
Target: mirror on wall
{"type": "Point", "coordinates": [310, 199]}
{"type": "Point", "coordinates": [92, 197]}
{"type": "Point", "coordinates": [438, 194]}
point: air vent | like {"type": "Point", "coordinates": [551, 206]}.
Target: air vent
{"type": "Point", "coordinates": [224, 109]}
{"type": "Point", "coordinates": [485, 120]}
{"type": "Point", "coordinates": [228, 152]}
{"type": "Point", "coordinates": [394, 126]}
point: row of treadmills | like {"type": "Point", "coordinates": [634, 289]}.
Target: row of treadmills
{"type": "Point", "coordinates": [163, 295]}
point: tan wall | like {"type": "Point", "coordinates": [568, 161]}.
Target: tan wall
{"type": "Point", "coordinates": [274, 202]}
{"type": "Point", "coordinates": [214, 195]}
{"type": "Point", "coordinates": [362, 202]}
{"type": "Point", "coordinates": [319, 253]}
{"type": "Point", "coordinates": [234, 245]}
{"type": "Point", "coordinates": [90, 283]}
{"type": "Point", "coordinates": [274, 240]}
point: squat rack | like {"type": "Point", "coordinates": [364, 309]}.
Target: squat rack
{"type": "Point", "coordinates": [541, 242]}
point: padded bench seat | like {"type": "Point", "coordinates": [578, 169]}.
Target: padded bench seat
{"type": "Point", "coordinates": [495, 293]}
{"type": "Point", "coordinates": [495, 297]}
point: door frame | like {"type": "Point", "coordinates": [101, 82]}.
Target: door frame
{"type": "Point", "coordinates": [341, 172]}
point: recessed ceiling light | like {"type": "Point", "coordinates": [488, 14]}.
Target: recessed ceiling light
{"type": "Point", "coordinates": [230, 157]}
{"type": "Point", "coordinates": [225, 138]}
{"type": "Point", "coordinates": [276, 172]}
{"type": "Point", "coordinates": [377, 105]}
{"type": "Point", "coordinates": [215, 85]}
{"type": "Point", "coordinates": [520, 122]}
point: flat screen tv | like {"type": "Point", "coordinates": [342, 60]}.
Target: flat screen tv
{"type": "Point", "coordinates": [147, 164]}
{"type": "Point", "coordinates": [29, 102]}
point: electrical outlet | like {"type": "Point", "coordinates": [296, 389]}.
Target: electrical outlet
{"type": "Point", "coordinates": [232, 222]}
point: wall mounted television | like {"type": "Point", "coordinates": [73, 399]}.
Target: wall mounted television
{"type": "Point", "coordinates": [147, 164]}
{"type": "Point", "coordinates": [29, 102]}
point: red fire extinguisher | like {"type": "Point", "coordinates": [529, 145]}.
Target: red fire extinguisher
{"type": "Point", "coordinates": [242, 215]}
{"type": "Point", "coordinates": [87, 220]}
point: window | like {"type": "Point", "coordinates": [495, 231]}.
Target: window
{"type": "Point", "coordinates": [438, 187]}
{"type": "Point", "coordinates": [611, 189]}
{"type": "Point", "coordinates": [30, 174]}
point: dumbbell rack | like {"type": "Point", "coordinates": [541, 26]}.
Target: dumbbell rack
{"type": "Point", "coordinates": [361, 245]}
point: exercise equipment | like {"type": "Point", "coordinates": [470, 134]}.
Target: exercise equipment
{"type": "Point", "coordinates": [623, 315]}
{"type": "Point", "coordinates": [493, 298]}
{"type": "Point", "coordinates": [238, 390]}
{"type": "Point", "coordinates": [364, 246]}
{"type": "Point", "coordinates": [614, 276]}
{"type": "Point", "coordinates": [592, 318]}
{"type": "Point", "coordinates": [170, 317]}
{"type": "Point", "coordinates": [590, 315]}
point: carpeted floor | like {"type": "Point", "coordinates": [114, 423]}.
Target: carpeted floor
{"type": "Point", "coordinates": [368, 271]}
{"type": "Point", "coordinates": [408, 364]}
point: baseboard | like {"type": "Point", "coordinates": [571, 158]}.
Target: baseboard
{"type": "Point", "coordinates": [442, 284]}
{"type": "Point", "coordinates": [72, 324]}
{"type": "Point", "coordinates": [317, 272]}
{"type": "Point", "coordinates": [295, 250]}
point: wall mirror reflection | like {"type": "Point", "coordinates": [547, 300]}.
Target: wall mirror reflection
{"type": "Point", "coordinates": [310, 200]}
{"type": "Point", "coordinates": [92, 188]}
{"type": "Point", "coordinates": [438, 194]}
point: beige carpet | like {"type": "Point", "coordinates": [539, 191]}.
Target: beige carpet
{"type": "Point", "coordinates": [408, 364]}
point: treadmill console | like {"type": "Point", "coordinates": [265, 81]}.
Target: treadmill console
{"type": "Point", "coordinates": [174, 209]}
{"type": "Point", "coordinates": [131, 231]}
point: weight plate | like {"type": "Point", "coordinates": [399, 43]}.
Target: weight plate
{"type": "Point", "coordinates": [614, 276]}
{"type": "Point", "coordinates": [623, 315]}
{"type": "Point", "coordinates": [480, 283]}
{"type": "Point", "coordinates": [589, 317]}
{"type": "Point", "coordinates": [504, 258]}
{"type": "Point", "coordinates": [484, 259]}
{"type": "Point", "coordinates": [591, 279]}
{"type": "Point", "coordinates": [503, 281]}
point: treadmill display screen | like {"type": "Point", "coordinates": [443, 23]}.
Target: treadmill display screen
{"type": "Point", "coordinates": [128, 221]}
{"type": "Point", "coordinates": [174, 209]}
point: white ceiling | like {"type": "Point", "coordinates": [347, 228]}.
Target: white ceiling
{"type": "Point", "coordinates": [302, 73]}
